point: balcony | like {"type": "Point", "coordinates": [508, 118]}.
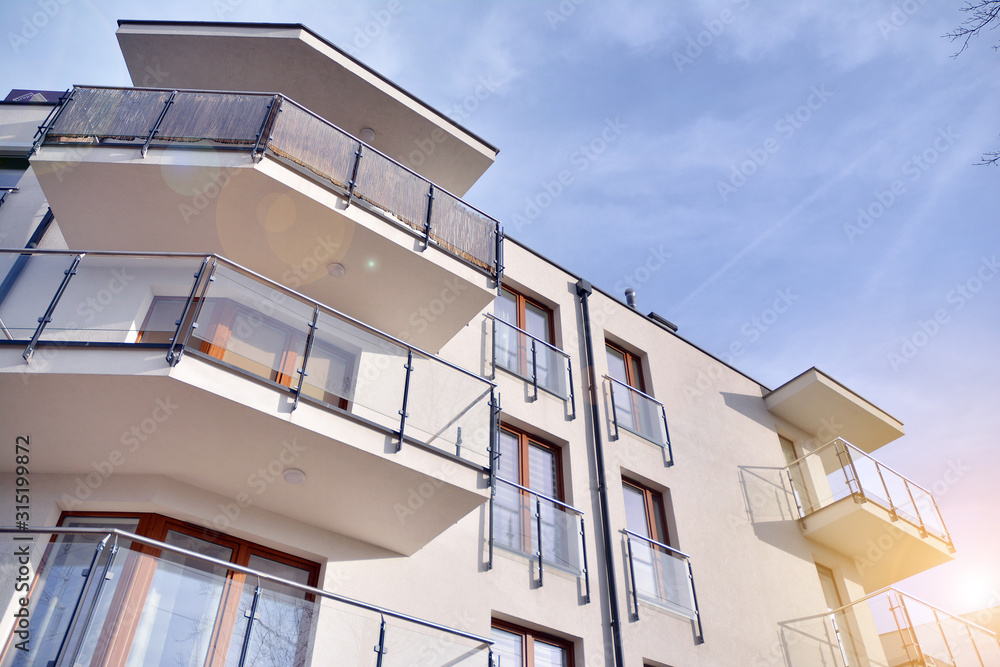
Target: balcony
{"type": "Point", "coordinates": [549, 530]}
{"type": "Point", "coordinates": [639, 414]}
{"type": "Point", "coordinates": [661, 576]}
{"type": "Point", "coordinates": [855, 505]}
{"type": "Point", "coordinates": [262, 180]}
{"type": "Point", "coordinates": [528, 357]}
{"type": "Point", "coordinates": [115, 598]}
{"type": "Point", "coordinates": [293, 60]}
{"type": "Point", "coordinates": [818, 404]}
{"type": "Point", "coordinates": [888, 628]}
{"type": "Point", "coordinates": [186, 359]}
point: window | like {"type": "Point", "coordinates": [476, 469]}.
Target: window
{"type": "Point", "coordinates": [260, 345]}
{"type": "Point", "coordinates": [644, 512]}
{"type": "Point", "coordinates": [659, 575]}
{"type": "Point", "coordinates": [829, 585]}
{"type": "Point", "coordinates": [159, 607]}
{"type": "Point", "coordinates": [634, 411]}
{"type": "Point", "coordinates": [787, 449]}
{"type": "Point", "coordinates": [518, 647]}
{"type": "Point", "coordinates": [513, 348]}
{"type": "Point", "coordinates": [625, 367]}
{"type": "Point", "coordinates": [531, 463]}
{"type": "Point", "coordinates": [841, 624]}
{"type": "Point", "coordinates": [11, 170]}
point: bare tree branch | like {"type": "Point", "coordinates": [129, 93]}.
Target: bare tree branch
{"type": "Point", "coordinates": [980, 14]}
{"type": "Point", "coordinates": [990, 158]}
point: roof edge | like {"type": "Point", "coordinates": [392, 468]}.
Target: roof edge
{"type": "Point", "coordinates": [310, 31]}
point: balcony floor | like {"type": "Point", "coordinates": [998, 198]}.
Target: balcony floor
{"type": "Point", "coordinates": [884, 551]}
{"type": "Point", "coordinates": [125, 411]}
{"type": "Point", "coordinates": [269, 218]}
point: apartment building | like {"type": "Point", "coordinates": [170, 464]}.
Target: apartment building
{"type": "Point", "coordinates": [273, 393]}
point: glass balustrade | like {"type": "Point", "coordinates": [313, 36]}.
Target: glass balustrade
{"type": "Point", "coordinates": [250, 326]}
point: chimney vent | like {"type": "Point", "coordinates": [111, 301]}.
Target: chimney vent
{"type": "Point", "coordinates": [630, 298]}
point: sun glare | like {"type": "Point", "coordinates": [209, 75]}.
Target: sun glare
{"type": "Point", "coordinates": [979, 588]}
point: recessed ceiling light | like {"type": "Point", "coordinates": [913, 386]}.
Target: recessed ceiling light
{"type": "Point", "coordinates": [368, 135]}
{"type": "Point", "coordinates": [336, 270]}
{"type": "Point", "coordinates": [293, 476]}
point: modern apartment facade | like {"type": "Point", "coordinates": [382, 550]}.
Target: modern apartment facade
{"type": "Point", "coordinates": [274, 394]}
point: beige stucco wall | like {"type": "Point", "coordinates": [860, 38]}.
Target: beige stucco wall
{"type": "Point", "coordinates": [732, 509]}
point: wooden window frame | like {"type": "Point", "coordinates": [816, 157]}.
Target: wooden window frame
{"type": "Point", "coordinates": [658, 530]}
{"type": "Point", "coordinates": [524, 443]}
{"type": "Point", "coordinates": [529, 637]}
{"type": "Point", "coordinates": [638, 419]}
{"type": "Point", "coordinates": [219, 330]}
{"type": "Point", "coordinates": [128, 600]}
{"type": "Point", "coordinates": [634, 375]}
{"type": "Point", "coordinates": [522, 301]}
{"type": "Point", "coordinates": [522, 351]}
{"type": "Point", "coordinates": [652, 500]}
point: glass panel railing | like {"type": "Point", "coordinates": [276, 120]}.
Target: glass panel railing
{"type": "Point", "coordinates": [530, 358]}
{"type": "Point", "coordinates": [253, 326]}
{"type": "Point", "coordinates": [815, 642]}
{"type": "Point", "coordinates": [449, 409]}
{"type": "Point", "coordinates": [987, 647]}
{"type": "Point", "coordinates": [888, 628]}
{"type": "Point", "coordinates": [240, 121]}
{"type": "Point", "coordinates": [33, 281]}
{"type": "Point", "coordinates": [63, 591]}
{"type": "Point", "coordinates": [660, 575]}
{"type": "Point", "coordinates": [409, 645]}
{"type": "Point", "coordinates": [109, 299]}
{"type": "Point", "coordinates": [519, 513]}
{"type": "Point", "coordinates": [840, 470]}
{"type": "Point", "coordinates": [638, 413]}
{"type": "Point", "coordinates": [356, 370]}
{"type": "Point", "coordinates": [10, 265]}
{"type": "Point", "coordinates": [98, 605]}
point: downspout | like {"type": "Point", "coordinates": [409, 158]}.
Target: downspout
{"type": "Point", "coordinates": [583, 290]}
{"type": "Point", "coordinates": [22, 260]}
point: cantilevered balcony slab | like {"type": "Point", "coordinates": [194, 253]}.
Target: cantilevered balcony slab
{"type": "Point", "coordinates": [854, 504]}
{"type": "Point", "coordinates": [293, 60]}
{"type": "Point", "coordinates": [885, 551]}
{"type": "Point", "coordinates": [198, 369]}
{"type": "Point", "coordinates": [95, 412]}
{"type": "Point", "coordinates": [818, 404]}
{"type": "Point", "coordinates": [126, 169]}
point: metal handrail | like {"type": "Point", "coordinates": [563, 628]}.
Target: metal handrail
{"type": "Point", "coordinates": [655, 543]}
{"type": "Point", "coordinates": [496, 223]}
{"type": "Point", "coordinates": [631, 388]}
{"type": "Point", "coordinates": [263, 279]}
{"type": "Point", "coordinates": [372, 148]}
{"type": "Point", "coordinates": [893, 589]}
{"type": "Point", "coordinates": [866, 455]}
{"type": "Point", "coordinates": [535, 338]}
{"type": "Point", "coordinates": [542, 496]}
{"type": "Point", "coordinates": [245, 570]}
{"type": "Point", "coordinates": [696, 620]}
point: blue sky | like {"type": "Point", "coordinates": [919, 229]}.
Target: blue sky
{"type": "Point", "coordinates": [813, 156]}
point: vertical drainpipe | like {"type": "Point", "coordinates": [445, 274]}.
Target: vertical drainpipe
{"type": "Point", "coordinates": [583, 290]}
